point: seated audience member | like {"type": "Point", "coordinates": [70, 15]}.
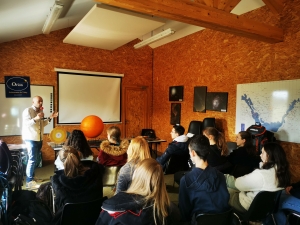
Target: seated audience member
{"type": "Point", "coordinates": [177, 147]}
{"type": "Point", "coordinates": [113, 150]}
{"type": "Point", "coordinates": [138, 150]}
{"type": "Point", "coordinates": [244, 159]}
{"type": "Point", "coordinates": [203, 189]}
{"type": "Point", "coordinates": [218, 150]}
{"type": "Point", "coordinates": [273, 175]}
{"type": "Point", "coordinates": [80, 181]}
{"type": "Point", "coordinates": [289, 199]}
{"type": "Point", "coordinates": [146, 202]}
{"type": "Point", "coordinates": [78, 141]}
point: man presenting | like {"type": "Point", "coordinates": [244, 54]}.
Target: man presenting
{"type": "Point", "coordinates": [32, 133]}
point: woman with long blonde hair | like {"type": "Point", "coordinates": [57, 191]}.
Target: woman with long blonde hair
{"type": "Point", "coordinates": [138, 150]}
{"type": "Point", "coordinates": [146, 202]}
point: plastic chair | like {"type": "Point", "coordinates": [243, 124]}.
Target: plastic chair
{"type": "Point", "coordinates": [85, 213]}
{"type": "Point", "coordinates": [195, 127]}
{"type": "Point", "coordinates": [224, 218]}
{"type": "Point", "coordinates": [264, 203]}
{"type": "Point", "coordinates": [208, 122]}
{"type": "Point", "coordinates": [231, 146]}
{"type": "Point", "coordinates": [293, 217]}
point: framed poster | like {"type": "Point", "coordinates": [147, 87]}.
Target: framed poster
{"type": "Point", "coordinates": [175, 113]}
{"type": "Point", "coordinates": [199, 99]}
{"type": "Point", "coordinates": [176, 93]}
{"type": "Point", "coordinates": [216, 101]}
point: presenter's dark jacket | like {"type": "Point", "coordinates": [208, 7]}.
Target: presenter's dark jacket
{"type": "Point", "coordinates": [113, 154]}
{"type": "Point", "coordinates": [177, 147]}
{"type": "Point", "coordinates": [129, 209]}
{"type": "Point", "coordinates": [202, 191]}
{"type": "Point", "coordinates": [83, 188]}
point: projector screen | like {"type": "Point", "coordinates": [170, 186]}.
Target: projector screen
{"type": "Point", "coordinates": [81, 95]}
{"type": "Point", "coordinates": [11, 109]}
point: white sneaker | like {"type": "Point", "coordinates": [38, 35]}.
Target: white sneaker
{"type": "Point", "coordinates": [32, 185]}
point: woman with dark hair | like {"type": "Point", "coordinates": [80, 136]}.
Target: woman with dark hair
{"type": "Point", "coordinates": [146, 202]}
{"type": "Point", "coordinates": [78, 141]}
{"type": "Point", "coordinates": [79, 181]}
{"type": "Point", "coordinates": [113, 150]}
{"type": "Point", "coordinates": [273, 175]}
{"type": "Point", "coordinates": [218, 150]}
{"type": "Point", "coordinates": [244, 159]}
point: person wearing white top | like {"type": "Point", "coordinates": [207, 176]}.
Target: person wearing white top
{"type": "Point", "coordinates": [273, 175]}
{"type": "Point", "coordinates": [78, 141]}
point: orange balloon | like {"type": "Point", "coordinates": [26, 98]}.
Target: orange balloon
{"type": "Point", "coordinates": [92, 126]}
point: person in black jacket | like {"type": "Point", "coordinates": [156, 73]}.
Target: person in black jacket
{"type": "Point", "coordinates": [218, 150]}
{"type": "Point", "coordinates": [177, 147]}
{"type": "Point", "coordinates": [80, 181]}
{"type": "Point", "coordinates": [146, 202]}
{"type": "Point", "coordinates": [203, 189]}
{"type": "Point", "coordinates": [244, 158]}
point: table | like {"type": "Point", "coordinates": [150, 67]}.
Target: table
{"type": "Point", "coordinates": [154, 143]}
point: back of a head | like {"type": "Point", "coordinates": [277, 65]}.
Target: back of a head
{"type": "Point", "coordinates": [115, 133]}
{"type": "Point", "coordinates": [148, 181]}
{"type": "Point", "coordinates": [219, 139]}
{"type": "Point", "coordinates": [277, 158]}
{"type": "Point", "coordinates": [138, 150]}
{"type": "Point", "coordinates": [179, 129]}
{"type": "Point", "coordinates": [71, 159]}
{"type": "Point", "coordinates": [78, 141]}
{"type": "Point", "coordinates": [200, 144]}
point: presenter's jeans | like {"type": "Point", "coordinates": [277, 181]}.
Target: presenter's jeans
{"type": "Point", "coordinates": [33, 149]}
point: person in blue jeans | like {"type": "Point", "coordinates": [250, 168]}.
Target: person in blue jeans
{"type": "Point", "coordinates": [289, 199]}
{"type": "Point", "coordinates": [32, 133]}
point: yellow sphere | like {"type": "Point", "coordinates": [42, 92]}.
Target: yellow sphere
{"type": "Point", "coordinates": [92, 126]}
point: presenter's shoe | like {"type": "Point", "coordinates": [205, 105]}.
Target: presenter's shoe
{"type": "Point", "coordinates": [37, 179]}
{"type": "Point", "coordinates": [32, 185]}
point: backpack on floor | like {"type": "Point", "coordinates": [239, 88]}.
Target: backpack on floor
{"type": "Point", "coordinates": [260, 136]}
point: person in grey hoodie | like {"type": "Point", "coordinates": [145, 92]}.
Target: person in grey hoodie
{"type": "Point", "coordinates": [177, 147]}
{"type": "Point", "coordinates": [203, 189]}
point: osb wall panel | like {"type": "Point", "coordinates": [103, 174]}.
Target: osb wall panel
{"type": "Point", "coordinates": [220, 61]}
{"type": "Point", "coordinates": [38, 56]}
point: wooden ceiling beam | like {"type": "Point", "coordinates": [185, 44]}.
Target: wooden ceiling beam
{"type": "Point", "coordinates": [203, 16]}
{"type": "Point", "coordinates": [276, 6]}
{"type": "Point", "coordinates": [230, 5]}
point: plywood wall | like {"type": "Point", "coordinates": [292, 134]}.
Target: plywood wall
{"type": "Point", "coordinates": [38, 56]}
{"type": "Point", "coordinates": [221, 61]}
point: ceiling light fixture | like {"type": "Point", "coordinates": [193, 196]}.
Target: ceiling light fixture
{"type": "Point", "coordinates": [55, 11]}
{"type": "Point", "coordinates": [154, 38]}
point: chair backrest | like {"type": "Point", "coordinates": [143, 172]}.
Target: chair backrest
{"type": "Point", "coordinates": [5, 159]}
{"type": "Point", "coordinates": [85, 213]}
{"type": "Point", "coordinates": [195, 127]}
{"type": "Point", "coordinates": [215, 219]}
{"type": "Point", "coordinates": [231, 146]}
{"type": "Point", "coordinates": [263, 204]}
{"type": "Point", "coordinates": [177, 163]}
{"type": "Point", "coordinates": [293, 217]}
{"type": "Point", "coordinates": [208, 122]}
{"type": "Point", "coordinates": [110, 175]}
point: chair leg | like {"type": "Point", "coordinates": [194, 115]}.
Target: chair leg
{"type": "Point", "coordinates": [273, 218]}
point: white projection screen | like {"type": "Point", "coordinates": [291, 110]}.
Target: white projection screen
{"type": "Point", "coordinates": [81, 95]}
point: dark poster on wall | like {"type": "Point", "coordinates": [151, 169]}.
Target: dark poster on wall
{"type": "Point", "coordinates": [17, 87]}
{"type": "Point", "coordinates": [199, 99]}
{"type": "Point", "coordinates": [176, 93]}
{"type": "Point", "coordinates": [175, 113]}
{"type": "Point", "coordinates": [216, 101]}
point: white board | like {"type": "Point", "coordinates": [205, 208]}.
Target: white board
{"type": "Point", "coordinates": [275, 104]}
{"type": "Point", "coordinates": [11, 109]}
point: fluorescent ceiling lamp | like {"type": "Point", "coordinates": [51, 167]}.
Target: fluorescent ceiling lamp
{"type": "Point", "coordinates": [55, 11]}
{"type": "Point", "coordinates": [154, 38]}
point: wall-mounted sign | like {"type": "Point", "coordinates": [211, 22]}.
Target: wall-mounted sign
{"type": "Point", "coordinates": [17, 87]}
